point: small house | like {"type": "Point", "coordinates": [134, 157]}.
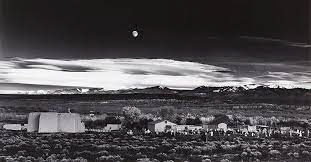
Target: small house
{"type": "Point", "coordinates": [285, 130]}
{"type": "Point", "coordinates": [262, 128]}
{"type": "Point", "coordinates": [14, 126]}
{"type": "Point", "coordinates": [112, 127]}
{"type": "Point", "coordinates": [181, 128]}
{"type": "Point", "coordinates": [251, 128]}
{"type": "Point", "coordinates": [219, 126]}
{"type": "Point", "coordinates": [243, 129]}
{"type": "Point", "coordinates": [161, 126]}
{"type": "Point", "coordinates": [222, 126]}
{"type": "Point", "coordinates": [257, 128]}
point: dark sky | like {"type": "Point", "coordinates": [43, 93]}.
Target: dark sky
{"type": "Point", "coordinates": [50, 44]}
{"type": "Point", "coordinates": [174, 28]}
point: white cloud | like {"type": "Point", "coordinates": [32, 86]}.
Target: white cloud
{"type": "Point", "coordinates": [285, 42]}
{"type": "Point", "coordinates": [113, 74]}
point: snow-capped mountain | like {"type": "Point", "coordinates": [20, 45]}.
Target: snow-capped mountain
{"type": "Point", "coordinates": [202, 90]}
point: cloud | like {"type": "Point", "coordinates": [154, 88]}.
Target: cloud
{"type": "Point", "coordinates": [112, 74]}
{"type": "Point", "coordinates": [286, 79]}
{"type": "Point", "coordinates": [280, 41]}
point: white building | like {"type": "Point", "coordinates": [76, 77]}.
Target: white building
{"type": "Point", "coordinates": [251, 128]}
{"type": "Point", "coordinates": [180, 128]}
{"type": "Point", "coordinates": [51, 122]}
{"type": "Point", "coordinates": [207, 119]}
{"type": "Point", "coordinates": [161, 126]}
{"type": "Point", "coordinates": [222, 126]}
{"type": "Point", "coordinates": [285, 130]}
{"type": "Point", "coordinates": [33, 122]}
{"type": "Point", "coordinates": [14, 126]}
{"type": "Point", "coordinates": [257, 128]}
{"type": "Point", "coordinates": [112, 127]}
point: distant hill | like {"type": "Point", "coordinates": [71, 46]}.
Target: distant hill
{"type": "Point", "coordinates": [242, 94]}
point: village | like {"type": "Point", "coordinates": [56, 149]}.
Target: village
{"type": "Point", "coordinates": [166, 135]}
{"type": "Point", "coordinates": [133, 121]}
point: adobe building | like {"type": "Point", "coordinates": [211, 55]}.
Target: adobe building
{"type": "Point", "coordinates": [161, 126]}
{"type": "Point", "coordinates": [223, 126]}
{"type": "Point", "coordinates": [51, 122]}
{"type": "Point", "coordinates": [33, 122]}
{"type": "Point", "coordinates": [217, 126]}
{"type": "Point", "coordinates": [181, 128]}
{"type": "Point", "coordinates": [112, 127]}
{"type": "Point", "coordinates": [15, 127]}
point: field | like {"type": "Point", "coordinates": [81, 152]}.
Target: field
{"type": "Point", "coordinates": [118, 146]}
{"type": "Point", "coordinates": [194, 106]}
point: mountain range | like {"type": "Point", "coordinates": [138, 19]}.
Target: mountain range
{"type": "Point", "coordinates": [247, 94]}
{"type": "Point", "coordinates": [148, 90]}
{"type": "Point", "coordinates": [199, 91]}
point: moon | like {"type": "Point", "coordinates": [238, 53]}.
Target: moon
{"type": "Point", "coordinates": [135, 33]}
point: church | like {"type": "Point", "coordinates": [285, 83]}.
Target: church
{"type": "Point", "coordinates": [52, 122]}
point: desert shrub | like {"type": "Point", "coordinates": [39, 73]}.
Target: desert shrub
{"type": "Point", "coordinates": [51, 158]}
{"type": "Point", "coordinates": [296, 154]}
{"type": "Point", "coordinates": [195, 121]}
{"type": "Point", "coordinates": [274, 153]}
{"type": "Point", "coordinates": [58, 146]}
{"type": "Point", "coordinates": [11, 148]}
{"type": "Point", "coordinates": [93, 146]}
{"type": "Point", "coordinates": [256, 154]}
{"type": "Point", "coordinates": [102, 153]}
{"type": "Point", "coordinates": [109, 158]}
{"type": "Point", "coordinates": [85, 154]}
{"type": "Point", "coordinates": [171, 151]}
{"type": "Point", "coordinates": [162, 156]}
{"type": "Point", "coordinates": [206, 160]}
{"type": "Point", "coordinates": [147, 160]}
{"type": "Point", "coordinates": [305, 153]}
{"type": "Point", "coordinates": [244, 154]}
{"type": "Point", "coordinates": [224, 160]}
{"type": "Point", "coordinates": [79, 159]}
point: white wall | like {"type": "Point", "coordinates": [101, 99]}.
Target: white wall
{"type": "Point", "coordinates": [33, 122]}
{"type": "Point", "coordinates": [67, 122]}
{"type": "Point", "coordinates": [48, 123]}
{"type": "Point", "coordinates": [12, 126]}
{"type": "Point", "coordinates": [251, 128]}
{"type": "Point", "coordinates": [80, 127]}
{"type": "Point", "coordinates": [160, 127]}
{"type": "Point", "coordinates": [223, 126]}
{"type": "Point", "coordinates": [111, 127]}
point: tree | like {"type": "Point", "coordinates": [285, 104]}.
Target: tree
{"type": "Point", "coordinates": [168, 113]}
{"type": "Point", "coordinates": [143, 123]}
{"type": "Point", "coordinates": [112, 120]}
{"type": "Point", "coordinates": [195, 121]}
{"type": "Point", "coordinates": [131, 114]}
{"type": "Point", "coordinates": [179, 120]}
{"type": "Point", "coordinates": [220, 118]}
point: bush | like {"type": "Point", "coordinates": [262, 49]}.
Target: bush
{"type": "Point", "coordinates": [109, 158]}
{"type": "Point", "coordinates": [147, 160]}
{"type": "Point", "coordinates": [274, 153]}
